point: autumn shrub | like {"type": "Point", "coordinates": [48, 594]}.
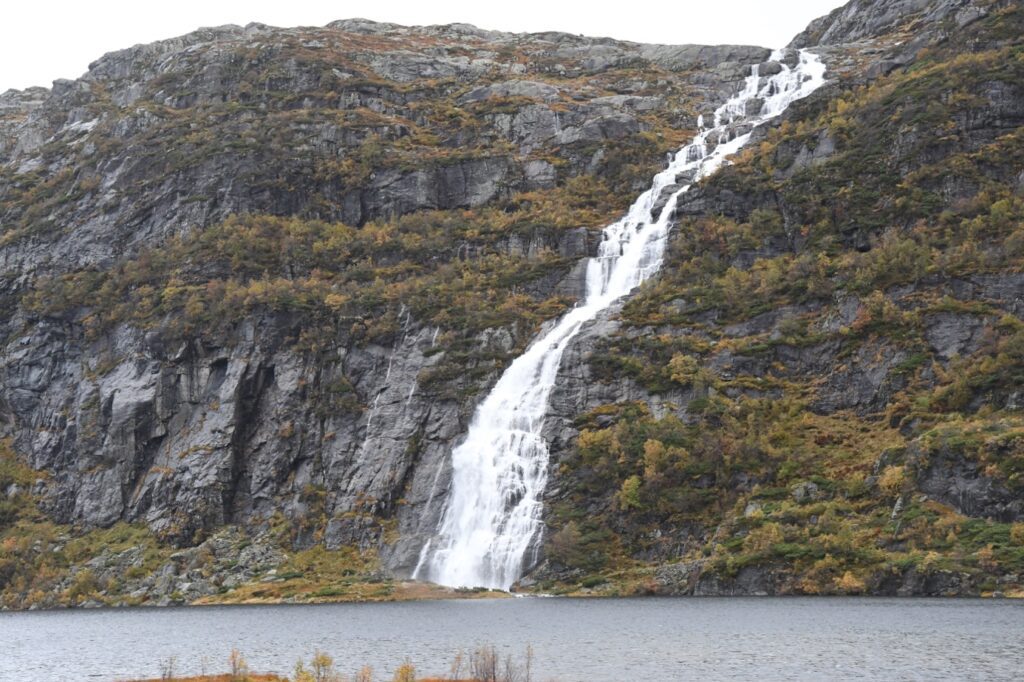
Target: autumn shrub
{"type": "Point", "coordinates": [406, 672]}
{"type": "Point", "coordinates": [1017, 534]}
{"type": "Point", "coordinates": [761, 540]}
{"type": "Point", "coordinates": [893, 480]}
{"type": "Point", "coordinates": [850, 584]}
{"type": "Point", "coordinates": [321, 669]}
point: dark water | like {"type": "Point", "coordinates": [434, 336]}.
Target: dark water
{"type": "Point", "coordinates": [593, 640]}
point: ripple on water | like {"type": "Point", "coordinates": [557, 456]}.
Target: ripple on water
{"type": "Point", "coordinates": [591, 640]}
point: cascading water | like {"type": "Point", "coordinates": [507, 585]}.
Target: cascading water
{"type": "Point", "coordinates": [493, 512]}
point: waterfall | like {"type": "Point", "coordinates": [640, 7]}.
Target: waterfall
{"type": "Point", "coordinates": [493, 512]}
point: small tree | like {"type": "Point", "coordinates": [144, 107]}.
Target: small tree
{"type": "Point", "coordinates": [455, 670]}
{"type": "Point", "coordinates": [405, 672]}
{"type": "Point", "coordinates": [761, 540]}
{"type": "Point", "coordinates": [301, 674]}
{"type": "Point", "coordinates": [167, 668]}
{"type": "Point", "coordinates": [566, 546]}
{"type": "Point", "coordinates": [321, 669]}
{"type": "Point", "coordinates": [239, 668]}
{"type": "Point", "coordinates": [629, 495]}
{"type": "Point", "coordinates": [483, 664]}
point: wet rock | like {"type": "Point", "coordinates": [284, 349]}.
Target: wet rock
{"type": "Point", "coordinates": [753, 108]}
{"type": "Point", "coordinates": [790, 57]}
{"type": "Point", "coordinates": [663, 199]}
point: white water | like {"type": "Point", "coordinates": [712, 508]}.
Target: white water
{"type": "Point", "coordinates": [493, 513]}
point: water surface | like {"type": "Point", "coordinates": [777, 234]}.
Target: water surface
{"type": "Point", "coordinates": [574, 639]}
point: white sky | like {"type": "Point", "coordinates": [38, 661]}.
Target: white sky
{"type": "Point", "coordinates": [41, 40]}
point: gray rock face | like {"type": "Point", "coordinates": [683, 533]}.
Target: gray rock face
{"type": "Point", "coordinates": [139, 180]}
{"type": "Point", "coordinates": [862, 19]}
{"type": "Point", "coordinates": [688, 56]}
{"type": "Point", "coordinates": [952, 335]}
{"type": "Point", "coordinates": [869, 39]}
{"type": "Point", "coordinates": [954, 480]}
{"type": "Point", "coordinates": [808, 156]}
{"type": "Point", "coordinates": [866, 381]}
{"type": "Point", "coordinates": [532, 89]}
{"type": "Point", "coordinates": [692, 579]}
{"type": "Point", "coordinates": [192, 438]}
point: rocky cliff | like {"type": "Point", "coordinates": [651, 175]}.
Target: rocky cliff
{"type": "Point", "coordinates": [256, 279]}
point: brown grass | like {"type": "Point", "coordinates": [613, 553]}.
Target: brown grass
{"type": "Point", "coordinates": [226, 677]}
{"type": "Point", "coordinates": [313, 591]}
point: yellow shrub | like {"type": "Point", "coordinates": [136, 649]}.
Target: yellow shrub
{"type": "Point", "coordinates": [850, 584]}
{"type": "Point", "coordinates": [1017, 533]}
{"type": "Point", "coordinates": [321, 669]}
{"type": "Point", "coordinates": [987, 559]}
{"type": "Point", "coordinates": [655, 459]}
{"type": "Point", "coordinates": [892, 480]}
{"type": "Point", "coordinates": [405, 673]}
{"type": "Point", "coordinates": [629, 495]}
{"type": "Point", "coordinates": [761, 539]}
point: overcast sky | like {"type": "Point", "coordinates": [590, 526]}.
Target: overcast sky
{"type": "Point", "coordinates": [41, 40]}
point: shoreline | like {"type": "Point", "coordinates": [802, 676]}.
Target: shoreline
{"type": "Point", "coordinates": [496, 596]}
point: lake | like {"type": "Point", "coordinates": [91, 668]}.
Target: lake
{"type": "Point", "coordinates": [573, 639]}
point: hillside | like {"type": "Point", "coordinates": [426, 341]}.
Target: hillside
{"type": "Point", "coordinates": [256, 279]}
{"type": "Point", "coordinates": [822, 392]}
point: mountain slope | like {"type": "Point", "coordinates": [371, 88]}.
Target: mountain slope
{"type": "Point", "coordinates": [822, 392]}
{"type": "Point", "coordinates": [256, 279]}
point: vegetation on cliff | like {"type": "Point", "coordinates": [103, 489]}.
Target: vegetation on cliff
{"type": "Point", "coordinates": [838, 383]}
